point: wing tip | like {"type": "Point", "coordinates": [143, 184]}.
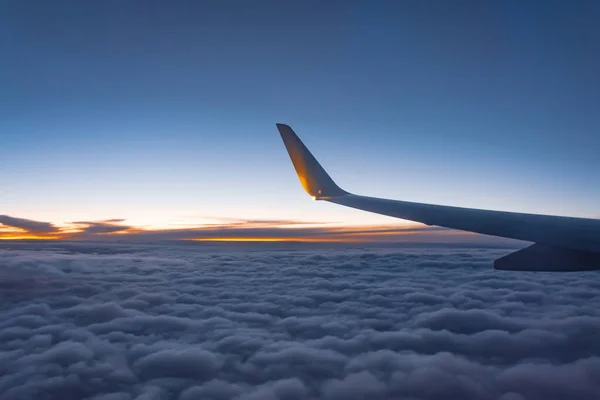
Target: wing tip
{"type": "Point", "coordinates": [285, 130]}
{"type": "Point", "coordinates": [316, 182]}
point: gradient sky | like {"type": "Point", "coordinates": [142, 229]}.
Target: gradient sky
{"type": "Point", "coordinates": [163, 113]}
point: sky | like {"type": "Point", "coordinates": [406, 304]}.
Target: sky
{"type": "Point", "coordinates": [161, 115]}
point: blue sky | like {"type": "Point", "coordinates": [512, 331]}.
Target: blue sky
{"type": "Point", "coordinates": [163, 113]}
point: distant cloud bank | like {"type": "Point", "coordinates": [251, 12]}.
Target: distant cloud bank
{"type": "Point", "coordinates": [236, 230]}
{"type": "Point", "coordinates": [84, 320]}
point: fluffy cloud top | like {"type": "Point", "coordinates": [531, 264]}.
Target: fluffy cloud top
{"type": "Point", "coordinates": [281, 321]}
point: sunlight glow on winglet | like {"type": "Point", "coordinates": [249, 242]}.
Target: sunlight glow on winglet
{"type": "Point", "coordinates": [313, 177]}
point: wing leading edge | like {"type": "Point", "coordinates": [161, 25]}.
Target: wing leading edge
{"type": "Point", "coordinates": [561, 243]}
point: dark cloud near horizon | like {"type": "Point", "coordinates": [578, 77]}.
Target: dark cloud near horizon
{"type": "Point", "coordinates": [101, 227]}
{"type": "Point", "coordinates": [205, 321]}
{"type": "Point", "coordinates": [28, 224]}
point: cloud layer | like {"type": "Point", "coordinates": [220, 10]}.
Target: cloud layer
{"type": "Point", "coordinates": [229, 229]}
{"type": "Point", "coordinates": [281, 321]}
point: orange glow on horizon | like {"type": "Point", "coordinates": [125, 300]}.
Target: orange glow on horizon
{"type": "Point", "coordinates": [236, 231]}
{"type": "Point", "coordinates": [31, 237]}
{"type": "Point", "coordinates": [273, 239]}
{"type": "Point", "coordinates": [213, 239]}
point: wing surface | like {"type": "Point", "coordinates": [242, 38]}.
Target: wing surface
{"type": "Point", "coordinates": [574, 234]}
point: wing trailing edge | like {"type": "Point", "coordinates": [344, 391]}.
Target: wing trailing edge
{"type": "Point", "coordinates": [561, 243]}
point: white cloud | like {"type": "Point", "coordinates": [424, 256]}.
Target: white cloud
{"type": "Point", "coordinates": [290, 321]}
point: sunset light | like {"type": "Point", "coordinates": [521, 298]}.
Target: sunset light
{"type": "Point", "coordinates": [157, 165]}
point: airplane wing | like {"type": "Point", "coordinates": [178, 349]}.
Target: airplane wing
{"type": "Point", "coordinates": [560, 243]}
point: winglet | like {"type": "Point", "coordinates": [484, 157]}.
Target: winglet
{"type": "Point", "coordinates": [313, 177]}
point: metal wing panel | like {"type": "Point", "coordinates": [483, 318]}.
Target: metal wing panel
{"type": "Point", "coordinates": [576, 233]}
